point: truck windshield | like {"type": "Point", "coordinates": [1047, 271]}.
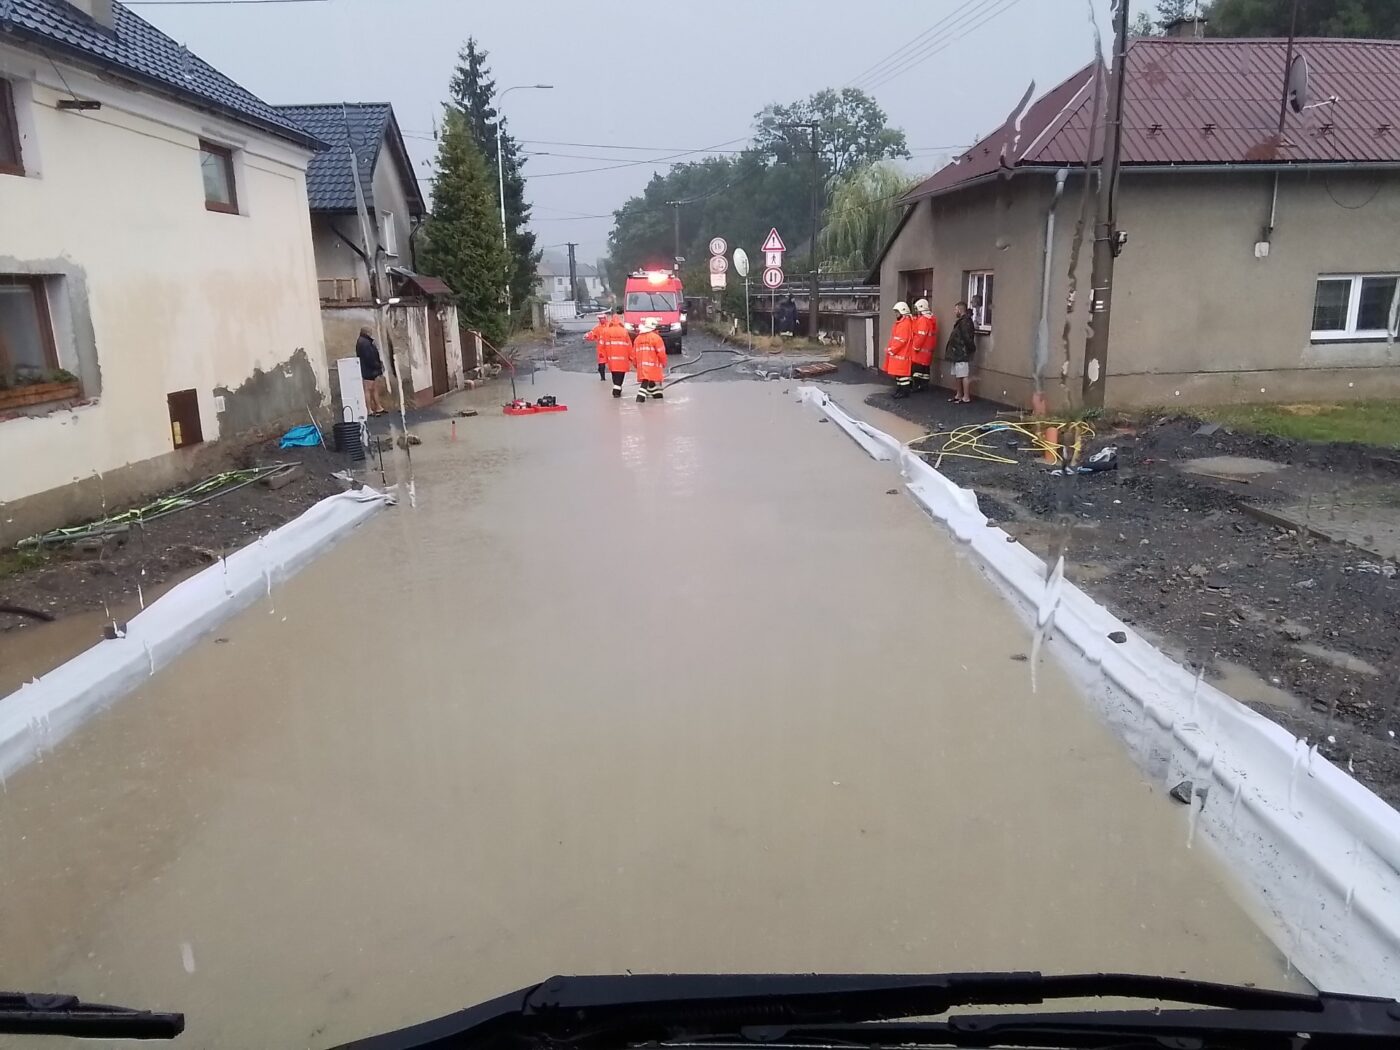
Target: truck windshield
{"type": "Point", "coordinates": [643, 301]}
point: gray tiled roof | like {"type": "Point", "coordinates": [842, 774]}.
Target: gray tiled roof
{"type": "Point", "coordinates": [139, 51]}
{"type": "Point", "coordinates": [329, 186]}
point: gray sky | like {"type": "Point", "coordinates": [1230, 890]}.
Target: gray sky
{"type": "Point", "coordinates": [686, 77]}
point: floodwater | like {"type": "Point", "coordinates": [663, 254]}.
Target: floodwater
{"type": "Point", "coordinates": [662, 687]}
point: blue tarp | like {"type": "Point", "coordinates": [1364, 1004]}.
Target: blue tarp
{"type": "Point", "coordinates": [304, 436]}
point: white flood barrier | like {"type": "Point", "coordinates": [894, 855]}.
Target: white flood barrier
{"type": "Point", "coordinates": [1317, 852]}
{"type": "Point", "coordinates": [42, 712]}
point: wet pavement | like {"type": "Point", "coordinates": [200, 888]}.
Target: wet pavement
{"type": "Point", "coordinates": [651, 687]}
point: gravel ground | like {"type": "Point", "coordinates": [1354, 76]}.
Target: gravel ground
{"type": "Point", "coordinates": [1174, 555]}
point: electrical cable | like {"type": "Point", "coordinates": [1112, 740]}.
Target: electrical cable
{"type": "Point", "coordinates": [876, 69]}
{"type": "Point", "coordinates": [943, 45]}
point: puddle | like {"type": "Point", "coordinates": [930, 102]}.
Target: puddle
{"type": "Point", "coordinates": [1248, 687]}
{"type": "Point", "coordinates": [1232, 468]}
{"type": "Point", "coordinates": [1340, 660]}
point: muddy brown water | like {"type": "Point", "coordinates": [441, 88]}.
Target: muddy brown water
{"type": "Point", "coordinates": [662, 687]}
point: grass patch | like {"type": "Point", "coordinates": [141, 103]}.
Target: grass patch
{"type": "Point", "coordinates": [1363, 422]}
{"type": "Point", "coordinates": [13, 562]}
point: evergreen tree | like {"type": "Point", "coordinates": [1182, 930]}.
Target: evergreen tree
{"type": "Point", "coordinates": [1376, 19]}
{"type": "Point", "coordinates": [474, 95]}
{"type": "Point", "coordinates": [463, 235]}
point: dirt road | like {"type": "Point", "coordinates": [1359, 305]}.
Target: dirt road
{"type": "Point", "coordinates": [673, 686]}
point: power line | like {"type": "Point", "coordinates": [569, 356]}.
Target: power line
{"type": "Point", "coordinates": [634, 163]}
{"type": "Point", "coordinates": [944, 44]}
{"type": "Point", "coordinates": [900, 52]}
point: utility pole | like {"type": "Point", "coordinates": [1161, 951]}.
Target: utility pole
{"type": "Point", "coordinates": [573, 272]}
{"type": "Point", "coordinates": [676, 217]}
{"type": "Point", "coordinates": [1287, 71]}
{"type": "Point", "coordinates": [815, 291]}
{"type": "Point", "coordinates": [1107, 239]}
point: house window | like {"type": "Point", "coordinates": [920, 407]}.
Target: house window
{"type": "Point", "coordinates": [27, 350]}
{"type": "Point", "coordinates": [388, 233]}
{"type": "Point", "coordinates": [10, 161]}
{"type": "Point", "coordinates": [979, 298]}
{"type": "Point", "coordinates": [216, 165]}
{"type": "Point", "coordinates": [1354, 306]}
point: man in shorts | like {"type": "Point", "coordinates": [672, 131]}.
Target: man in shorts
{"type": "Point", "coordinates": [962, 344]}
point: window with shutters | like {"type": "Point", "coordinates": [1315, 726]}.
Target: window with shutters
{"type": "Point", "coordinates": [11, 162]}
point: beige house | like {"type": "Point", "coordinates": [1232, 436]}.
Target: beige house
{"type": "Point", "coordinates": [157, 281]}
{"type": "Point", "coordinates": [361, 262]}
{"type": "Point", "coordinates": [1257, 266]}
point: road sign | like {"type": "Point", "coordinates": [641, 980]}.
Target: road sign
{"type": "Point", "coordinates": [718, 246]}
{"type": "Point", "coordinates": [719, 280]}
{"type": "Point", "coordinates": [741, 262]}
{"type": "Point", "coordinates": [718, 264]}
{"type": "Point", "coordinates": [773, 259]}
{"type": "Point", "coordinates": [774, 243]}
{"type": "Point", "coordinates": [772, 277]}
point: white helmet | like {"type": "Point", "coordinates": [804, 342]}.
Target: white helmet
{"type": "Point", "coordinates": [901, 308]}
{"type": "Point", "coordinates": [922, 306]}
{"type": "Point", "coordinates": [649, 325]}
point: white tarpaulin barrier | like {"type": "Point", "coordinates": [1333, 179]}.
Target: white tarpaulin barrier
{"type": "Point", "coordinates": [41, 713]}
{"type": "Point", "coordinates": [1319, 852]}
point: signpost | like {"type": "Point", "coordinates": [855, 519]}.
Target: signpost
{"type": "Point", "coordinates": [773, 249]}
{"type": "Point", "coordinates": [719, 265]}
{"type": "Point", "coordinates": [741, 267]}
{"type": "Point", "coordinates": [718, 246]}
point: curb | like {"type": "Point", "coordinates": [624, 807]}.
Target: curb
{"type": "Point", "coordinates": [1317, 854]}
{"type": "Point", "coordinates": [41, 713]}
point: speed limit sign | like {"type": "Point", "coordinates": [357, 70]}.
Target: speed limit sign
{"type": "Point", "coordinates": [718, 246]}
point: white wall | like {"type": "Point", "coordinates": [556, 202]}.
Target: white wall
{"type": "Point", "coordinates": [170, 295]}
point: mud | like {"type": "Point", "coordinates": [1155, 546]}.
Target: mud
{"type": "Point", "coordinates": [668, 687]}
{"type": "Point", "coordinates": [1173, 553]}
{"type": "Point", "coordinates": [85, 591]}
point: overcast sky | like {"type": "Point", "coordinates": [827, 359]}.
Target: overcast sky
{"type": "Point", "coordinates": [681, 77]}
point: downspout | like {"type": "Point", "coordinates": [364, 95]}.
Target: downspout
{"type": "Point", "coordinates": [1042, 332]}
{"type": "Point", "coordinates": [412, 247]}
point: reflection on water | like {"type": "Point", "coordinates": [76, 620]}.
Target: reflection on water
{"type": "Point", "coordinates": [573, 715]}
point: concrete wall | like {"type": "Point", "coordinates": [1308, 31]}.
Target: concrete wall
{"type": "Point", "coordinates": [152, 292]}
{"type": "Point", "coordinates": [1198, 319]}
{"type": "Point", "coordinates": [407, 329]}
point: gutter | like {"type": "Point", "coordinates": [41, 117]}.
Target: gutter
{"type": "Point", "coordinates": [1169, 169]}
{"type": "Point", "coordinates": [27, 39]}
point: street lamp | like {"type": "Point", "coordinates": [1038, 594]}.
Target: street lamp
{"type": "Point", "coordinates": [501, 170]}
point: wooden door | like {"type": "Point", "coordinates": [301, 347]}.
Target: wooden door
{"type": "Point", "coordinates": [437, 352]}
{"type": "Point", "coordinates": [915, 285]}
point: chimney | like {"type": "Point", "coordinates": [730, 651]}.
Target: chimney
{"type": "Point", "coordinates": [1192, 27]}
{"type": "Point", "coordinates": [100, 11]}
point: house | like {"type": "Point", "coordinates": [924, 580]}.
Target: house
{"type": "Point", "coordinates": [1257, 266]}
{"type": "Point", "coordinates": [157, 280]}
{"type": "Point", "coordinates": [552, 279]}
{"type": "Point", "coordinates": [357, 265]}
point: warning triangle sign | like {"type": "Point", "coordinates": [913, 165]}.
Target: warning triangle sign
{"type": "Point", "coordinates": [774, 243]}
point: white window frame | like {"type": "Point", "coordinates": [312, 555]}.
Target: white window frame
{"type": "Point", "coordinates": [389, 233]}
{"type": "Point", "coordinates": [976, 286]}
{"type": "Point", "coordinates": [1351, 333]}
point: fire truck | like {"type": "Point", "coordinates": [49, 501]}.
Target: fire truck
{"type": "Point", "coordinates": [656, 295]}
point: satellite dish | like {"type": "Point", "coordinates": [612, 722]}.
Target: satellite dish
{"type": "Point", "coordinates": [741, 262]}
{"type": "Point", "coordinates": [1296, 92]}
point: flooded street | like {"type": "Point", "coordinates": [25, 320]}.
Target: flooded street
{"type": "Point", "coordinates": [663, 687]}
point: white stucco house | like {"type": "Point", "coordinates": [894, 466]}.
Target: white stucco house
{"type": "Point", "coordinates": [157, 275]}
{"type": "Point", "coordinates": [552, 279]}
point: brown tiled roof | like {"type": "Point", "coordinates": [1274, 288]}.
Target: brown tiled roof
{"type": "Point", "coordinates": [1211, 101]}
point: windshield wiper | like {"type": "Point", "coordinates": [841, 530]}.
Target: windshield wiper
{"type": "Point", "coordinates": [873, 1010]}
{"type": "Point", "coordinates": [28, 1013]}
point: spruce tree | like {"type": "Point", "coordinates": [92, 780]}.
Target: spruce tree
{"type": "Point", "coordinates": [464, 233]}
{"type": "Point", "coordinates": [474, 95]}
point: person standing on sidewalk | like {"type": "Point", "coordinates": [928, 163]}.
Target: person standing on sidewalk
{"type": "Point", "coordinates": [649, 353]}
{"type": "Point", "coordinates": [616, 344]}
{"type": "Point", "coordinates": [596, 337]}
{"type": "Point", "coordinates": [925, 341]}
{"type": "Point", "coordinates": [962, 344]}
{"type": "Point", "coordinates": [899, 352]}
{"type": "Point", "coordinates": [371, 368]}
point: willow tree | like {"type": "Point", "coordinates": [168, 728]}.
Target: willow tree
{"type": "Point", "coordinates": [862, 216]}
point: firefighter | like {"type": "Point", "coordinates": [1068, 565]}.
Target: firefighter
{"type": "Point", "coordinates": [618, 345]}
{"type": "Point", "coordinates": [925, 341]}
{"type": "Point", "coordinates": [649, 355]}
{"type": "Point", "coordinates": [899, 351]}
{"type": "Point", "coordinates": [596, 336]}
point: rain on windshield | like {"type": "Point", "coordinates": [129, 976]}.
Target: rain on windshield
{"type": "Point", "coordinates": [997, 571]}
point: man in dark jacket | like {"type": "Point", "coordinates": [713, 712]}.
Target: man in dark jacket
{"type": "Point", "coordinates": [962, 344]}
{"type": "Point", "coordinates": [787, 317]}
{"type": "Point", "coordinates": [371, 368]}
